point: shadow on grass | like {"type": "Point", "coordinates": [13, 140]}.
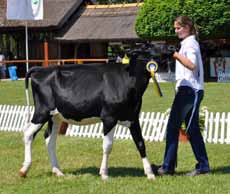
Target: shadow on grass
{"type": "Point", "coordinates": [113, 171]}
{"type": "Point", "coordinates": [221, 170]}
{"type": "Point", "coordinates": [132, 172]}
{"type": "Point", "coordinates": [217, 170]}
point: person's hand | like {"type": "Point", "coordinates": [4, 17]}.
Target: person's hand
{"type": "Point", "coordinates": [175, 55]}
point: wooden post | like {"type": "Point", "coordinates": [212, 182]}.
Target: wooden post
{"type": "Point", "coordinates": [46, 54]}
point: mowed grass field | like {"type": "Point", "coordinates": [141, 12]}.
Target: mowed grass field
{"type": "Point", "coordinates": [80, 158]}
{"type": "Point", "coordinates": [216, 96]}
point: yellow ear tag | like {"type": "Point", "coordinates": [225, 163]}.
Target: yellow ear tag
{"type": "Point", "coordinates": [125, 59]}
{"type": "Point", "coordinates": [152, 67]}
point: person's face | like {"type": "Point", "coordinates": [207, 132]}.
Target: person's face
{"type": "Point", "coordinates": [181, 31]}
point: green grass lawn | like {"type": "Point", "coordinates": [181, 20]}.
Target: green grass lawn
{"type": "Point", "coordinates": [216, 97]}
{"type": "Point", "coordinates": [80, 158]}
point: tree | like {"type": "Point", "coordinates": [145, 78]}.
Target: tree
{"type": "Point", "coordinates": [155, 19]}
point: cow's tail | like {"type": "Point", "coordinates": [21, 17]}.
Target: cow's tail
{"type": "Point", "coordinates": [28, 74]}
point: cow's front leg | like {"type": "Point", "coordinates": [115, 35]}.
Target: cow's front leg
{"type": "Point", "coordinates": [51, 137]}
{"type": "Point", "coordinates": [107, 148]}
{"type": "Point", "coordinates": [29, 132]}
{"type": "Point", "coordinates": [139, 141]}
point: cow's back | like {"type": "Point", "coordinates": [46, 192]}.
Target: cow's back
{"type": "Point", "coordinates": [86, 89]}
{"type": "Point", "coordinates": [81, 91]}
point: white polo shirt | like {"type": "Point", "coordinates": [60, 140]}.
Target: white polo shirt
{"type": "Point", "coordinates": [184, 77]}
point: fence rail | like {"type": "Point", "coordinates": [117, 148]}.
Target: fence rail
{"type": "Point", "coordinates": [216, 129]}
{"type": "Point", "coordinates": [62, 61]}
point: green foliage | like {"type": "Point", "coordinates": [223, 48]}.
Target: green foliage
{"type": "Point", "coordinates": [155, 19]}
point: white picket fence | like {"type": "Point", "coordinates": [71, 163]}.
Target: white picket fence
{"type": "Point", "coordinates": [217, 125]}
{"type": "Point", "coordinates": [13, 117]}
{"type": "Point", "coordinates": [153, 128]}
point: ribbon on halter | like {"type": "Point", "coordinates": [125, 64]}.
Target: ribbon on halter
{"type": "Point", "coordinates": [152, 67]}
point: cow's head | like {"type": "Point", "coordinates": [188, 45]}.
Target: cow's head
{"type": "Point", "coordinates": [144, 62]}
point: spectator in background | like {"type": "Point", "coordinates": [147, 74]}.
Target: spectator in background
{"type": "Point", "coordinates": [119, 59]}
{"type": "Point", "coordinates": [219, 65]}
{"type": "Point", "coordinates": [2, 66]}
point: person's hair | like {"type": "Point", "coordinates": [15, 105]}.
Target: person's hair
{"type": "Point", "coordinates": [184, 21]}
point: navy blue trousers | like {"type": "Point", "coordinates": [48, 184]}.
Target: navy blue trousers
{"type": "Point", "coordinates": [185, 107]}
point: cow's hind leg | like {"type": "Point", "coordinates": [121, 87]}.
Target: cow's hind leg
{"type": "Point", "coordinates": [107, 148]}
{"type": "Point", "coordinates": [51, 136]}
{"type": "Point", "coordinates": [139, 141]}
{"type": "Point", "coordinates": [29, 134]}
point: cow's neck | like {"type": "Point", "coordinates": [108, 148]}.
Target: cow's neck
{"type": "Point", "coordinates": [141, 76]}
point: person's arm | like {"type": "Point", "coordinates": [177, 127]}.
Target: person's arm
{"type": "Point", "coordinates": [185, 61]}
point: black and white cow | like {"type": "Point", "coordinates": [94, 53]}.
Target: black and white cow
{"type": "Point", "coordinates": [111, 92]}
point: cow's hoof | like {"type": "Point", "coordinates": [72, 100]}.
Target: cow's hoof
{"type": "Point", "coordinates": [22, 174]}
{"type": "Point", "coordinates": [104, 177]}
{"type": "Point", "coordinates": [57, 172]}
{"type": "Point", "coordinates": [104, 174]}
{"type": "Point", "coordinates": [151, 177]}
